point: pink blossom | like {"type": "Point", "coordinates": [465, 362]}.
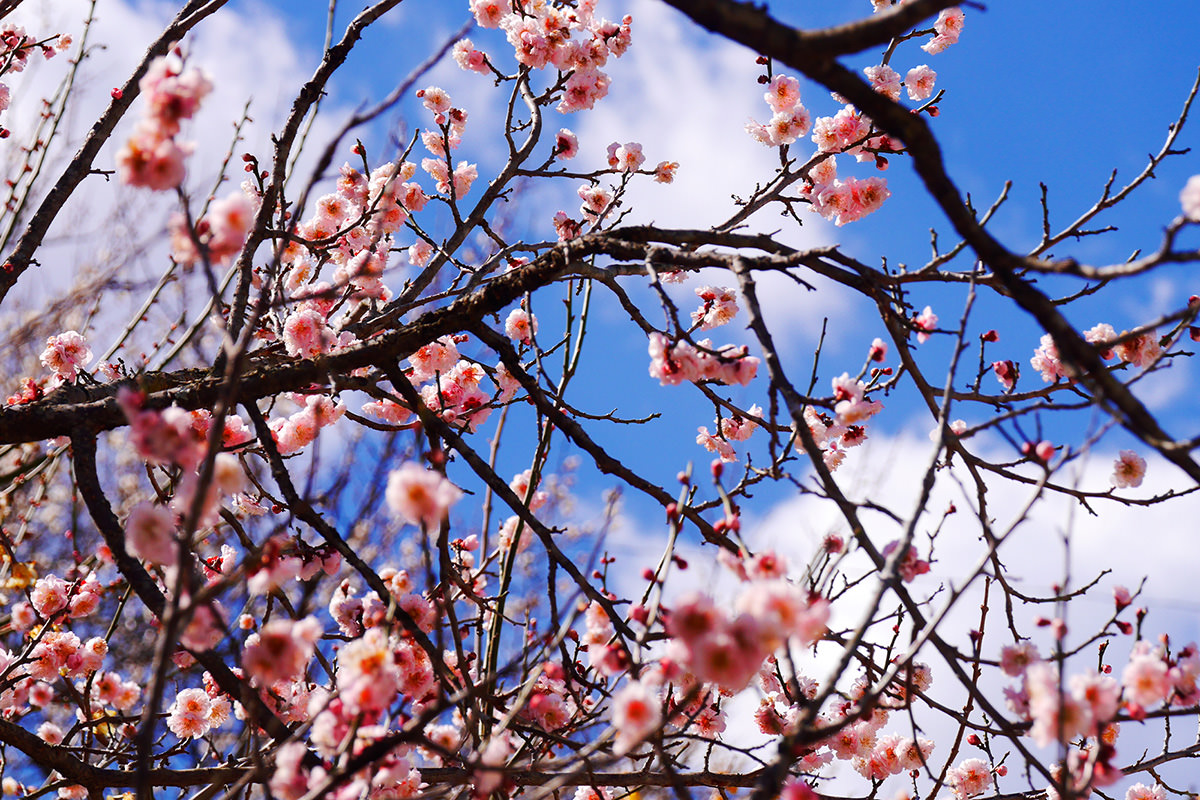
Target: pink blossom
{"type": "Point", "coordinates": [438, 356]}
{"type": "Point", "coordinates": [969, 778]}
{"type": "Point", "coordinates": [306, 333]}
{"type": "Point", "coordinates": [420, 496]}
{"type": "Point", "coordinates": [665, 171]}
{"type": "Point", "coordinates": [468, 58]}
{"type": "Point", "coordinates": [1142, 350]}
{"type": "Point", "coordinates": [715, 444]}
{"type": "Point", "coordinates": [66, 354]}
{"type": "Point", "coordinates": [1189, 199]}
{"type": "Point", "coordinates": [566, 145]}
{"type": "Point", "coordinates": [1099, 334]}
{"type": "Point", "coordinates": [489, 13]}
{"type": "Point", "coordinates": [884, 80]}
{"type": "Point", "coordinates": [925, 323]}
{"type": "Point", "coordinates": [919, 82]}
{"type": "Point", "coordinates": [188, 715]}
{"type": "Point", "coordinates": [583, 89]}
{"type": "Point", "coordinates": [1146, 679]}
{"type": "Point", "coordinates": [1006, 373]}
{"type": "Point", "coordinates": [718, 306]}
{"type": "Point", "coordinates": [1128, 470]}
{"type": "Point", "coordinates": [281, 650]}
{"type": "Point", "coordinates": [367, 678]}
{"type": "Point", "coordinates": [435, 99]}
{"type": "Point", "coordinates": [625, 157]}
{"type": "Point", "coordinates": [150, 533]}
{"type": "Point", "coordinates": [1015, 658]}
{"type": "Point", "coordinates": [1045, 360]}
{"type": "Point", "coordinates": [783, 93]}
{"type": "Point", "coordinates": [636, 713]}
{"type": "Point", "coordinates": [520, 326]}
{"type": "Point", "coordinates": [49, 595]}
{"type": "Point", "coordinates": [1140, 791]}
{"type": "Point", "coordinates": [737, 428]}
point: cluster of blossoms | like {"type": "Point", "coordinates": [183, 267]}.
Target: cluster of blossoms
{"type": "Point", "coordinates": [834, 435]}
{"type": "Point", "coordinates": [152, 158]}
{"type": "Point", "coordinates": [452, 122]}
{"type": "Point", "coordinates": [947, 28]}
{"type": "Point", "coordinates": [65, 355]}
{"type": "Point", "coordinates": [734, 428]}
{"type": "Point", "coordinates": [15, 48]}
{"type": "Point", "coordinates": [572, 40]}
{"type": "Point", "coordinates": [220, 233]}
{"type": "Point", "coordinates": [730, 650]}
{"type": "Point", "coordinates": [455, 391]}
{"type": "Point", "coordinates": [791, 119]}
{"type": "Point", "coordinates": [682, 361]}
{"type": "Point", "coordinates": [597, 201]}
{"type": "Point", "coordinates": [1142, 350]}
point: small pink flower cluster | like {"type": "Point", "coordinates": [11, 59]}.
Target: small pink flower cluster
{"type": "Point", "coordinates": [911, 564]}
{"type": "Point", "coordinates": [969, 778]}
{"type": "Point", "coordinates": [66, 354]}
{"type": "Point", "coordinates": [194, 713]}
{"type": "Point", "coordinates": [843, 201]}
{"type": "Point", "coordinates": [947, 28]}
{"type": "Point", "coordinates": [835, 436]}
{"type": "Point", "coordinates": [545, 35]}
{"type": "Point", "coordinates": [675, 363]}
{"type": "Point", "coordinates": [1141, 351]}
{"type": "Point", "coordinates": [220, 233]}
{"type": "Point", "coordinates": [297, 431]}
{"type": "Point", "coordinates": [625, 157]}
{"type": "Point", "coordinates": [729, 651]}
{"type": "Point", "coordinates": [152, 158]}
{"type": "Point", "coordinates": [790, 120]}
{"type": "Point", "coordinates": [281, 650]}
{"type": "Point", "coordinates": [307, 332]}
{"type": "Point", "coordinates": [718, 306]}
{"type": "Point", "coordinates": [735, 428]}
{"type": "Point", "coordinates": [457, 396]}
{"type": "Point", "coordinates": [351, 228]}
{"type": "Point", "coordinates": [421, 496]}
{"type": "Point", "coordinates": [852, 404]}
{"type": "Point", "coordinates": [452, 122]}
{"type": "Point", "coordinates": [170, 436]}
{"type": "Point", "coordinates": [15, 48]}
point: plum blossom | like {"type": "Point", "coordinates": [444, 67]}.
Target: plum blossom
{"type": "Point", "coordinates": [188, 716]}
{"type": "Point", "coordinates": [625, 157]}
{"type": "Point", "coordinates": [150, 533]}
{"type": "Point", "coordinates": [566, 144]}
{"type": "Point", "coordinates": [919, 82]}
{"type": "Point", "coordinates": [1045, 360]}
{"type": "Point", "coordinates": [925, 323]}
{"type": "Point", "coordinates": [947, 28]}
{"type": "Point", "coordinates": [719, 306]}
{"type": "Point", "coordinates": [1142, 350]}
{"type": "Point", "coordinates": [636, 713]}
{"type": "Point", "coordinates": [468, 58]}
{"type": "Point", "coordinates": [1128, 470]}
{"type": "Point", "coordinates": [969, 778]}
{"type": "Point", "coordinates": [66, 354]}
{"type": "Point", "coordinates": [1140, 791]}
{"type": "Point", "coordinates": [884, 80]}
{"type": "Point", "coordinates": [281, 650]}
{"type": "Point", "coordinates": [420, 496]}
{"type": "Point", "coordinates": [520, 326]}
